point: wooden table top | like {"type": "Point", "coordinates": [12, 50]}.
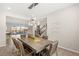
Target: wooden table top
{"type": "Point", "coordinates": [37, 44]}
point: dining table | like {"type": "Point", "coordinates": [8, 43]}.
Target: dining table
{"type": "Point", "coordinates": [37, 44]}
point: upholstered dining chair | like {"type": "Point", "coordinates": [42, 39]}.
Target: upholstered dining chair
{"type": "Point", "coordinates": [54, 47]}
{"type": "Point", "coordinates": [20, 49]}
{"type": "Point", "coordinates": [50, 49]}
{"type": "Point", "coordinates": [46, 50]}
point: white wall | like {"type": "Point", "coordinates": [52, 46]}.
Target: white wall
{"type": "Point", "coordinates": [3, 15]}
{"type": "Point", "coordinates": [2, 29]}
{"type": "Point", "coordinates": [63, 26]}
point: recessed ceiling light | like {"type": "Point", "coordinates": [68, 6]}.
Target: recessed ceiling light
{"type": "Point", "coordinates": [9, 8]}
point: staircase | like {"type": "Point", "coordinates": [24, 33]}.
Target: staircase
{"type": "Point", "coordinates": [42, 28]}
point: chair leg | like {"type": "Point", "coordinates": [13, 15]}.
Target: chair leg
{"type": "Point", "coordinates": [39, 54]}
{"type": "Point", "coordinates": [18, 53]}
{"type": "Point", "coordinates": [33, 54]}
{"type": "Point", "coordinates": [56, 53]}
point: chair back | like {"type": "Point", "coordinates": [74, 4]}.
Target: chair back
{"type": "Point", "coordinates": [49, 48]}
{"type": "Point", "coordinates": [19, 46]}
{"type": "Point", "coordinates": [54, 47]}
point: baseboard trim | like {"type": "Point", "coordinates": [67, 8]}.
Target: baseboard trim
{"type": "Point", "coordinates": [74, 51]}
{"type": "Point", "coordinates": [1, 45]}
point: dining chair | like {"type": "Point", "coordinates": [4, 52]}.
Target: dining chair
{"type": "Point", "coordinates": [54, 47]}
{"type": "Point", "coordinates": [50, 49]}
{"type": "Point", "coordinates": [27, 47]}
{"type": "Point", "coordinates": [46, 50]}
{"type": "Point", "coordinates": [20, 49]}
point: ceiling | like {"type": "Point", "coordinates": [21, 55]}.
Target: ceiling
{"type": "Point", "coordinates": [40, 10]}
